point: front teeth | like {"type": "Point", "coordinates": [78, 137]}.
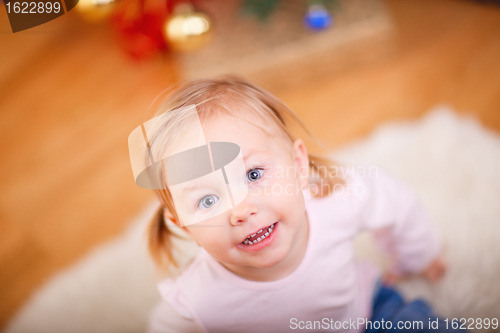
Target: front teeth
{"type": "Point", "coordinates": [267, 233]}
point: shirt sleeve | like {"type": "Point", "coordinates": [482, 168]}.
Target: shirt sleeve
{"type": "Point", "coordinates": [165, 319]}
{"type": "Point", "coordinates": [401, 227]}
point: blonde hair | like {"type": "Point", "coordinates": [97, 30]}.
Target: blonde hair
{"type": "Point", "coordinates": [227, 94]}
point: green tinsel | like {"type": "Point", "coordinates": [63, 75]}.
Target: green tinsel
{"type": "Point", "coordinates": [262, 9]}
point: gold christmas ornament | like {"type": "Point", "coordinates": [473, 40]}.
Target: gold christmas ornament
{"type": "Point", "coordinates": [187, 30]}
{"type": "Point", "coordinates": [95, 10]}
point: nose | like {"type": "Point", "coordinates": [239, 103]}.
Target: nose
{"type": "Point", "coordinates": [242, 212]}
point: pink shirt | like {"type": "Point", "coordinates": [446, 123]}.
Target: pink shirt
{"type": "Point", "coordinates": [328, 286]}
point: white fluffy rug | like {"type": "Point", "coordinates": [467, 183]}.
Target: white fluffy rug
{"type": "Point", "coordinates": [451, 161]}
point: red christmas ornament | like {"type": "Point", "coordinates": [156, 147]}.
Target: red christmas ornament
{"type": "Point", "coordinates": [139, 23]}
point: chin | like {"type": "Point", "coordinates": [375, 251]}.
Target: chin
{"type": "Point", "coordinates": [270, 262]}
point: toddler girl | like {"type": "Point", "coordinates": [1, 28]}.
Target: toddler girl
{"type": "Point", "coordinates": [274, 223]}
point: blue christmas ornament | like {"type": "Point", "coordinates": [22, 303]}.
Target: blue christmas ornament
{"type": "Point", "coordinates": [317, 18]}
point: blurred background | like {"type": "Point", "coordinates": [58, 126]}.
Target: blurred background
{"type": "Point", "coordinates": [74, 88]}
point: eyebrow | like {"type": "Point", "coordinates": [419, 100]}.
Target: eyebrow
{"type": "Point", "coordinates": [190, 188]}
{"type": "Point", "coordinates": [253, 152]}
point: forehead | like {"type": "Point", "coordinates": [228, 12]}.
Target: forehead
{"type": "Point", "coordinates": [250, 134]}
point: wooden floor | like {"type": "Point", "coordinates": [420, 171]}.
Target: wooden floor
{"type": "Point", "coordinates": [69, 98]}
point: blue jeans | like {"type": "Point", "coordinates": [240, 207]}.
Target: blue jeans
{"type": "Point", "coordinates": [388, 305]}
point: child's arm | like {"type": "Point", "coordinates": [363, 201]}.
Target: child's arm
{"type": "Point", "coordinates": [165, 319]}
{"type": "Point", "coordinates": [433, 272]}
{"type": "Point", "coordinates": [401, 226]}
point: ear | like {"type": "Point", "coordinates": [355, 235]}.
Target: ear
{"type": "Point", "coordinates": [169, 216]}
{"type": "Point", "coordinates": [190, 235]}
{"type": "Point", "coordinates": [301, 161]}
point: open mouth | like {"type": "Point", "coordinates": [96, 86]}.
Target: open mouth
{"type": "Point", "coordinates": [260, 235]}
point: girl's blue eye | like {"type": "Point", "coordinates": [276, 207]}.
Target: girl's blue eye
{"type": "Point", "coordinates": [254, 175]}
{"type": "Point", "coordinates": [207, 201]}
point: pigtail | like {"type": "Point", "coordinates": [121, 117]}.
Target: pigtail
{"type": "Point", "coordinates": [160, 242]}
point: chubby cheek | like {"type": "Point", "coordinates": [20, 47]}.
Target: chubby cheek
{"type": "Point", "coordinates": [292, 207]}
{"type": "Point", "coordinates": [290, 193]}
{"type": "Point", "coordinates": [207, 233]}
{"type": "Point", "coordinates": [219, 248]}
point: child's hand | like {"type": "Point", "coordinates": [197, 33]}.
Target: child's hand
{"type": "Point", "coordinates": [432, 273]}
{"type": "Point", "coordinates": [435, 270]}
